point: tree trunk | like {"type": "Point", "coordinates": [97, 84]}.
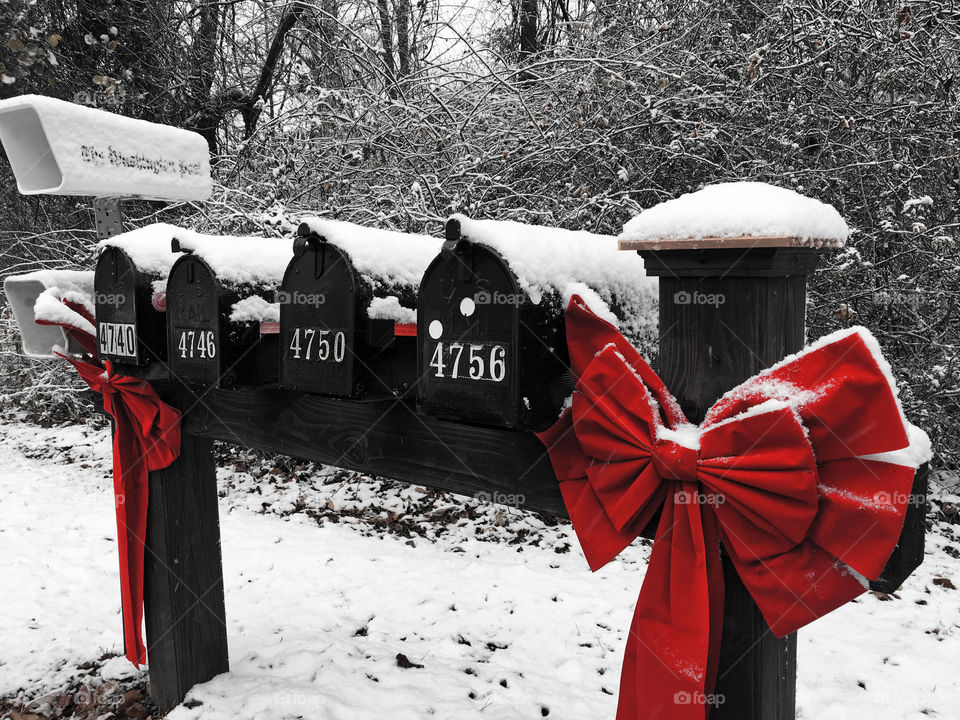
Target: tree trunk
{"type": "Point", "coordinates": [528, 32]}
{"type": "Point", "coordinates": [403, 36]}
{"type": "Point", "coordinates": [386, 39]}
{"type": "Point", "coordinates": [204, 62]}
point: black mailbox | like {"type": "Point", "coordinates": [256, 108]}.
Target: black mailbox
{"type": "Point", "coordinates": [209, 345]}
{"type": "Point", "coordinates": [492, 343]}
{"type": "Point", "coordinates": [487, 353]}
{"type": "Point", "coordinates": [131, 324]}
{"type": "Point", "coordinates": [334, 341]}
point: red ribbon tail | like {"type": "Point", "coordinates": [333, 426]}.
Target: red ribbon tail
{"type": "Point", "coordinates": [672, 655]}
{"type": "Point", "coordinates": [130, 486]}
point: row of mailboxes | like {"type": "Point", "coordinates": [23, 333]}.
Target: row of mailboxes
{"type": "Point", "coordinates": [480, 349]}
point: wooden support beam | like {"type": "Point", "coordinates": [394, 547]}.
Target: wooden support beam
{"type": "Point", "coordinates": [382, 437]}
{"type": "Point", "coordinates": [183, 583]}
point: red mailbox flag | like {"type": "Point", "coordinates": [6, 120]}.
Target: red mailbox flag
{"type": "Point", "coordinates": [779, 472]}
{"type": "Point", "coordinates": [146, 437]}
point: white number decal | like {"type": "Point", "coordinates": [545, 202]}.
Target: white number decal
{"type": "Point", "coordinates": [497, 366]}
{"type": "Point", "coordinates": [476, 363]}
{"type": "Point", "coordinates": [117, 339]}
{"type": "Point", "coordinates": [456, 363]}
{"type": "Point", "coordinates": [437, 360]}
{"type": "Point", "coordinates": [295, 343]}
{"type": "Point", "coordinates": [324, 352]}
{"type": "Point", "coordinates": [197, 344]}
{"type": "Point", "coordinates": [324, 346]}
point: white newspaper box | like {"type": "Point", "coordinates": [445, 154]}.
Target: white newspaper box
{"type": "Point", "coordinates": [60, 148]}
{"type": "Point", "coordinates": [22, 293]}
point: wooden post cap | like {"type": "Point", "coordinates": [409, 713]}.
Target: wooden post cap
{"type": "Point", "coordinates": [725, 243]}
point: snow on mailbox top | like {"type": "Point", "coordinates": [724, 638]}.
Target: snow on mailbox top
{"type": "Point", "coordinates": [257, 261]}
{"type": "Point", "coordinates": [149, 247]}
{"type": "Point", "coordinates": [736, 214]}
{"type": "Point", "coordinates": [384, 257]}
{"type": "Point", "coordinates": [60, 148]}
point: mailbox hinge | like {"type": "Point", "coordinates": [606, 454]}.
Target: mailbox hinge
{"type": "Point", "coordinates": [108, 217]}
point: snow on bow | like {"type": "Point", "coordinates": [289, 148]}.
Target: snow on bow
{"type": "Point", "coordinates": [794, 472]}
{"type": "Point", "coordinates": [146, 437]}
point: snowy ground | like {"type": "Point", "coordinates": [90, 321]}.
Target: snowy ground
{"type": "Point", "coordinates": [330, 575]}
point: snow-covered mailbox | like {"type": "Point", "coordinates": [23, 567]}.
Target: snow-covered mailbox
{"type": "Point", "coordinates": [221, 314]}
{"type": "Point", "coordinates": [347, 309]}
{"type": "Point", "coordinates": [492, 346]}
{"type": "Point", "coordinates": [130, 299]}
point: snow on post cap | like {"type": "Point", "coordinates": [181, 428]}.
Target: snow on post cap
{"type": "Point", "coordinates": [61, 148]}
{"type": "Point", "coordinates": [736, 215]}
{"type": "Point", "coordinates": [382, 256]}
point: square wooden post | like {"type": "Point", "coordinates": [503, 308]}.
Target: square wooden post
{"type": "Point", "coordinates": [183, 593]}
{"type": "Point", "coordinates": [725, 315]}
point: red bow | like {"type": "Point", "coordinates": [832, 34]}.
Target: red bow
{"type": "Point", "coordinates": [146, 437]}
{"type": "Point", "coordinates": [776, 473]}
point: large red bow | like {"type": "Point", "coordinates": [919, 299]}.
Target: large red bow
{"type": "Point", "coordinates": [776, 473]}
{"type": "Point", "coordinates": [146, 437]}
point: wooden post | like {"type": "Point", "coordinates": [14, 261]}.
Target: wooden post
{"type": "Point", "coordinates": [725, 315]}
{"type": "Point", "coordinates": [183, 593]}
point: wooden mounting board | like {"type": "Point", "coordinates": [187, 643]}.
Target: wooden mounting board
{"type": "Point", "coordinates": [721, 243]}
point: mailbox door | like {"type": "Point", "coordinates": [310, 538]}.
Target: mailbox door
{"type": "Point", "coordinates": [115, 300]}
{"type": "Point", "coordinates": [195, 323]}
{"type": "Point", "coordinates": [468, 316]}
{"type": "Point", "coordinates": [318, 315]}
